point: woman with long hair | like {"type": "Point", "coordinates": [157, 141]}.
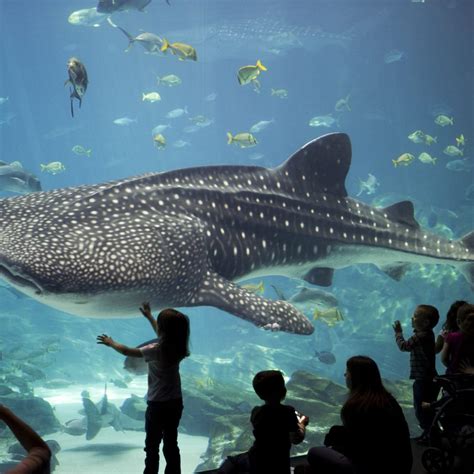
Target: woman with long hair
{"type": "Point", "coordinates": [374, 437]}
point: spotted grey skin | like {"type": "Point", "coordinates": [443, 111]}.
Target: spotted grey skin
{"type": "Point", "coordinates": [180, 238]}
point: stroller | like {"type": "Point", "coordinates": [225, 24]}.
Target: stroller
{"type": "Point", "coordinates": [451, 435]}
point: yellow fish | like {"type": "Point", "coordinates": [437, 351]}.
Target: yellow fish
{"type": "Point", "coordinates": [329, 316]}
{"type": "Point", "coordinates": [460, 141]}
{"type": "Point", "coordinates": [80, 150]}
{"type": "Point", "coordinates": [54, 167]}
{"type": "Point", "coordinates": [245, 139]}
{"type": "Point", "coordinates": [417, 136]}
{"type": "Point", "coordinates": [247, 74]}
{"type": "Point", "coordinates": [444, 120]}
{"type": "Point", "coordinates": [452, 150]}
{"type": "Point", "coordinates": [256, 288]}
{"type": "Point", "coordinates": [429, 140]}
{"type": "Point", "coordinates": [427, 159]}
{"type": "Point", "coordinates": [151, 97]}
{"type": "Point", "coordinates": [182, 50]}
{"type": "Point", "coordinates": [159, 140]}
{"type": "Point", "coordinates": [405, 159]}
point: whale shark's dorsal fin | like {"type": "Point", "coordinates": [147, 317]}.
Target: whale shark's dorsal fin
{"type": "Point", "coordinates": [402, 212]}
{"type": "Point", "coordinates": [321, 165]}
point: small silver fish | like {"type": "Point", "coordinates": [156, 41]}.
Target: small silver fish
{"type": "Point", "coordinates": [176, 113]}
{"type": "Point", "coordinates": [124, 121]}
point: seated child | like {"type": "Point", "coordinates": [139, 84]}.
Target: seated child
{"type": "Point", "coordinates": [275, 427]}
{"type": "Point", "coordinates": [422, 360]}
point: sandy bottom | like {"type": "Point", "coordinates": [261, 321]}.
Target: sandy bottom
{"type": "Point", "coordinates": [110, 451]}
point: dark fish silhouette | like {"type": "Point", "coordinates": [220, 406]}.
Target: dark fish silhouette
{"type": "Point", "coordinates": [77, 79]}
{"type": "Point", "coordinates": [325, 357]}
{"type": "Point", "coordinates": [111, 6]}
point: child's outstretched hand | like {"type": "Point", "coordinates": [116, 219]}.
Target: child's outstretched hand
{"type": "Point", "coordinates": [104, 339]}
{"type": "Point", "coordinates": [397, 327]}
{"type": "Point", "coordinates": [303, 419]}
{"type": "Point", "coordinates": [146, 310]}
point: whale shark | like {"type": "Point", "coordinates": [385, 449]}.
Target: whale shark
{"type": "Point", "coordinates": [186, 237]}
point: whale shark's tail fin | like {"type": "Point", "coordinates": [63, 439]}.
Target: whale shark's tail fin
{"type": "Point", "coordinates": [267, 314]}
{"type": "Point", "coordinates": [320, 166]}
{"type": "Point", "coordinates": [468, 268]}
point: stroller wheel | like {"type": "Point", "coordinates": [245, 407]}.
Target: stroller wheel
{"type": "Point", "coordinates": [436, 461]}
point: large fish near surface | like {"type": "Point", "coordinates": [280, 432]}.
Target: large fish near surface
{"type": "Point", "coordinates": [15, 179]}
{"type": "Point", "coordinates": [111, 6]}
{"type": "Point", "coordinates": [181, 238]}
{"type": "Point", "coordinates": [271, 35]}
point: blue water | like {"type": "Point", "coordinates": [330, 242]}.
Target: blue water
{"type": "Point", "coordinates": [322, 51]}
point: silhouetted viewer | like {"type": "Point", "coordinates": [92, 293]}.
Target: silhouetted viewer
{"type": "Point", "coordinates": [164, 397]}
{"type": "Point", "coordinates": [374, 437]}
{"type": "Point", "coordinates": [275, 427]}
{"type": "Point", "coordinates": [458, 350]}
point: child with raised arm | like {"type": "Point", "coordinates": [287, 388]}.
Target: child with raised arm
{"type": "Point", "coordinates": [164, 397]}
{"type": "Point", "coordinates": [421, 346]}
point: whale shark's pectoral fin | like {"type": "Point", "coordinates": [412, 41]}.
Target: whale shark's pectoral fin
{"type": "Point", "coordinates": [320, 276]}
{"type": "Point", "coordinates": [274, 315]}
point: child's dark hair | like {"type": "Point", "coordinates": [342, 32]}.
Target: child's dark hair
{"type": "Point", "coordinates": [428, 312]}
{"type": "Point", "coordinates": [269, 385]}
{"type": "Point", "coordinates": [451, 323]}
{"type": "Point", "coordinates": [173, 331]}
{"type": "Point", "coordinates": [464, 311]}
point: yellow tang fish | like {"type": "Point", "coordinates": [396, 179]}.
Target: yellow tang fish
{"type": "Point", "coordinates": [247, 74]}
{"type": "Point", "coordinates": [460, 141]}
{"type": "Point", "coordinates": [159, 140]}
{"type": "Point", "coordinates": [329, 316]}
{"type": "Point", "coordinates": [182, 50]}
{"type": "Point", "coordinates": [405, 159]}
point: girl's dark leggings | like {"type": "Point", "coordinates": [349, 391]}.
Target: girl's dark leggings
{"type": "Point", "coordinates": [161, 423]}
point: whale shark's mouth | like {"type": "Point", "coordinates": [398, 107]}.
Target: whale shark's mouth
{"type": "Point", "coordinates": [17, 280]}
